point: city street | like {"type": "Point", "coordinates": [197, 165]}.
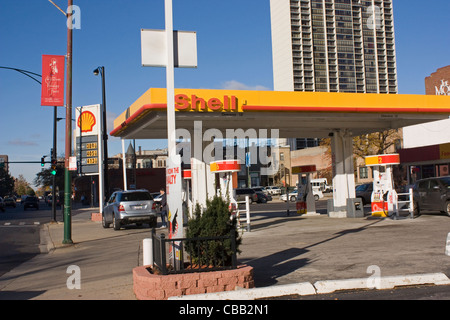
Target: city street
{"type": "Point", "coordinates": [20, 233]}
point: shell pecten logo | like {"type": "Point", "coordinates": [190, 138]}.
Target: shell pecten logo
{"type": "Point", "coordinates": [86, 121]}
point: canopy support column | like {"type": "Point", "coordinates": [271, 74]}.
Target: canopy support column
{"type": "Point", "coordinates": [343, 170]}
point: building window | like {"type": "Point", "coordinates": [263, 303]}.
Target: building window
{"type": "Point", "coordinates": [147, 163]}
{"type": "Point", "coordinates": [363, 172]}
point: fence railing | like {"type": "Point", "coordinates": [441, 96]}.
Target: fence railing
{"type": "Point", "coordinates": [409, 201]}
{"type": "Point", "coordinates": [209, 253]}
{"type": "Point", "coordinates": [243, 215]}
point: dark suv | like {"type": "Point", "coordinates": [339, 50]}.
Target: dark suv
{"type": "Point", "coordinates": [242, 192]}
{"type": "Point", "coordinates": [364, 192]}
{"type": "Point", "coordinates": [432, 194]}
{"type": "Point", "coordinates": [31, 202]}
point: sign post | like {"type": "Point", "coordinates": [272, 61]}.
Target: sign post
{"type": "Point", "coordinates": [173, 170]}
{"type": "Point", "coordinates": [89, 144]}
{"type": "Point", "coordinates": [158, 49]}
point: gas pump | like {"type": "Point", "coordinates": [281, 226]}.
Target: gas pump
{"type": "Point", "coordinates": [305, 198]}
{"type": "Point", "coordinates": [186, 193]}
{"type": "Point", "coordinates": [384, 197]}
{"type": "Point", "coordinates": [223, 171]}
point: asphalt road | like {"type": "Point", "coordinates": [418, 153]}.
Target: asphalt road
{"type": "Point", "coordinates": [19, 233]}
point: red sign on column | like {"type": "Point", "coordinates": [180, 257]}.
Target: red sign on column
{"type": "Point", "coordinates": [52, 93]}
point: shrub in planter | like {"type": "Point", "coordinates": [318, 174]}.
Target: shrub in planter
{"type": "Point", "coordinates": [214, 221]}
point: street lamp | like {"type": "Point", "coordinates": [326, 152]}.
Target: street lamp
{"type": "Point", "coordinates": [55, 120]}
{"type": "Point", "coordinates": [101, 71]}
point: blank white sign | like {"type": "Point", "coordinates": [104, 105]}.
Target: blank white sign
{"type": "Point", "coordinates": [154, 51]}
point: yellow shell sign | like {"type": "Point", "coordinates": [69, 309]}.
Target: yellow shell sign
{"type": "Point", "coordinates": [86, 121]}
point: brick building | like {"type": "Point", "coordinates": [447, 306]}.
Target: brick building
{"type": "Point", "coordinates": [426, 150]}
{"type": "Point", "coordinates": [438, 83]}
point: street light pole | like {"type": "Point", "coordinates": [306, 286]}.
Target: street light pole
{"type": "Point", "coordinates": [55, 120]}
{"type": "Point", "coordinates": [101, 70]}
{"type": "Point", "coordinates": [67, 174]}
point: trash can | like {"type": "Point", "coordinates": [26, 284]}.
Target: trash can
{"type": "Point", "coordinates": [355, 208]}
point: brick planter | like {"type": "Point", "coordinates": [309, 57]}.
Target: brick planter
{"type": "Point", "coordinates": [149, 286]}
{"type": "Point", "coordinates": [96, 216]}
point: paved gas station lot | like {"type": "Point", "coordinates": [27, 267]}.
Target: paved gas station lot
{"type": "Point", "coordinates": [282, 250]}
{"type": "Point", "coordinates": [292, 249]}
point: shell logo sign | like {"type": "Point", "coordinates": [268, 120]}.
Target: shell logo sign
{"type": "Point", "coordinates": [384, 159]}
{"type": "Point", "coordinates": [184, 102]}
{"type": "Point", "coordinates": [304, 169]}
{"type": "Point", "coordinates": [225, 166]}
{"type": "Point", "coordinates": [86, 121]}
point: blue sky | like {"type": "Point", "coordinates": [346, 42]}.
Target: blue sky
{"type": "Point", "coordinates": [234, 51]}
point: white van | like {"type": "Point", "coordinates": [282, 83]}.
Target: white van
{"type": "Point", "coordinates": [321, 184]}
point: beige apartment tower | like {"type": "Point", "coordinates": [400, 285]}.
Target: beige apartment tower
{"type": "Point", "coordinates": [333, 46]}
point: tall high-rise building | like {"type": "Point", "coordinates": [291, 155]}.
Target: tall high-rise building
{"type": "Point", "coordinates": [333, 46]}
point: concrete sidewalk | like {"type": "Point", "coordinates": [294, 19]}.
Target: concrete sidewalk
{"type": "Point", "coordinates": [283, 251]}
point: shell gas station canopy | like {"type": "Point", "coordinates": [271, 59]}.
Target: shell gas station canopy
{"type": "Point", "coordinates": [294, 114]}
{"type": "Point", "coordinates": [340, 116]}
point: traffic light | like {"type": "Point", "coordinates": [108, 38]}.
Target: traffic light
{"type": "Point", "coordinates": [42, 161]}
{"type": "Point", "coordinates": [53, 168]}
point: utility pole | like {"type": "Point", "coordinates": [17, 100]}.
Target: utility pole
{"type": "Point", "coordinates": [67, 174]}
{"type": "Point", "coordinates": [53, 156]}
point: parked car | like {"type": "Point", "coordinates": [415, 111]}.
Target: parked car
{"type": "Point", "coordinates": [242, 192]}
{"type": "Point", "coordinates": [273, 190]}
{"type": "Point", "coordinates": [262, 197]}
{"type": "Point", "coordinates": [2, 205]}
{"type": "Point", "coordinates": [293, 195]}
{"type": "Point", "coordinates": [261, 189]}
{"type": "Point", "coordinates": [432, 194]}
{"type": "Point", "coordinates": [126, 207]}
{"type": "Point", "coordinates": [157, 201]}
{"type": "Point", "coordinates": [9, 202]}
{"type": "Point", "coordinates": [31, 202]}
{"type": "Point", "coordinates": [364, 191]}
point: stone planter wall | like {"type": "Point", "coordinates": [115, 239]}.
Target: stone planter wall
{"type": "Point", "coordinates": [148, 286]}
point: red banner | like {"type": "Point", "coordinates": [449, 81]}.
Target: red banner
{"type": "Point", "coordinates": [52, 93]}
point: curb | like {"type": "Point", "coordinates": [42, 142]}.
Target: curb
{"type": "Point", "coordinates": [321, 287]}
{"type": "Point", "coordinates": [46, 244]}
{"type": "Point", "coordinates": [302, 289]}
{"type": "Point", "coordinates": [381, 283]}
